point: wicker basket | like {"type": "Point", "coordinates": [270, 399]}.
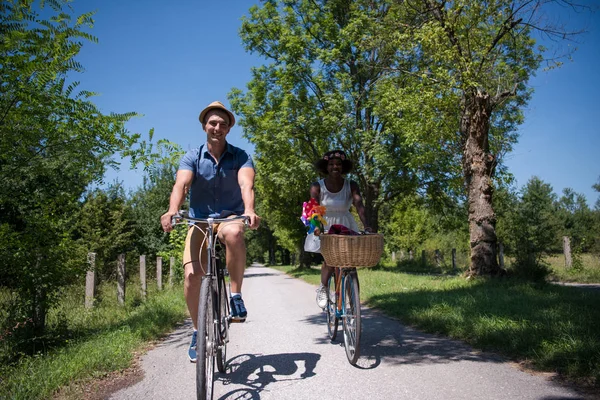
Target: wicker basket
{"type": "Point", "coordinates": [352, 250]}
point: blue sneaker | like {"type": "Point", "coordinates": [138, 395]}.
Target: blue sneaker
{"type": "Point", "coordinates": [238, 310]}
{"type": "Point", "coordinates": [192, 350]}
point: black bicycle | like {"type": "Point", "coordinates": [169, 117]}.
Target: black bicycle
{"type": "Point", "coordinates": [214, 314]}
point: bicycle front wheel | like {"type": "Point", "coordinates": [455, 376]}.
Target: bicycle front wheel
{"type": "Point", "coordinates": [205, 364]}
{"type": "Point", "coordinates": [351, 317]}
{"type": "Point", "coordinates": [222, 326]}
{"type": "Point", "coordinates": [332, 319]}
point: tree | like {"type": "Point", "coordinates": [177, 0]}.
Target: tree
{"type": "Point", "coordinates": [53, 143]}
{"type": "Point", "coordinates": [410, 224]}
{"type": "Point", "coordinates": [105, 226]}
{"type": "Point", "coordinates": [319, 92]}
{"type": "Point", "coordinates": [596, 187]}
{"type": "Point", "coordinates": [576, 219]}
{"type": "Point", "coordinates": [481, 56]}
{"type": "Point", "coordinates": [596, 213]}
{"type": "Point", "coordinates": [535, 228]}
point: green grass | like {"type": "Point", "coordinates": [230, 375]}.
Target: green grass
{"type": "Point", "coordinates": [84, 344]}
{"type": "Point", "coordinates": [585, 269]}
{"type": "Point", "coordinates": [550, 327]}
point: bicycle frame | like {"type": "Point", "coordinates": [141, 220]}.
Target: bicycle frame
{"type": "Point", "coordinates": [213, 323]}
{"type": "Point", "coordinates": [340, 295]}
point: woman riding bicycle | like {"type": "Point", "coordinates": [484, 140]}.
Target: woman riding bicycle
{"type": "Point", "coordinates": [337, 194]}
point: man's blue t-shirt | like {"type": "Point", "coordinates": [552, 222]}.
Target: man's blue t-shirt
{"type": "Point", "coordinates": [215, 188]}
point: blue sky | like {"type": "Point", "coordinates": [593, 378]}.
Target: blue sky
{"type": "Point", "coordinates": [167, 60]}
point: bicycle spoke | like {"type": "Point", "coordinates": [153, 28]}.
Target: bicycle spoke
{"type": "Point", "coordinates": [206, 346]}
{"type": "Point", "coordinates": [332, 319]}
{"type": "Point", "coordinates": [351, 318]}
{"type": "Point", "coordinates": [223, 325]}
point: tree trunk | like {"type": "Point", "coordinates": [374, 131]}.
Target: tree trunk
{"type": "Point", "coordinates": [370, 195]}
{"type": "Point", "coordinates": [272, 247]}
{"type": "Point", "coordinates": [478, 170]}
{"type": "Point", "coordinates": [304, 258]}
{"type": "Point", "coordinates": [39, 304]}
{"type": "Point", "coordinates": [567, 252]}
{"type": "Point", "coordinates": [272, 252]}
{"type": "Point", "coordinates": [39, 311]}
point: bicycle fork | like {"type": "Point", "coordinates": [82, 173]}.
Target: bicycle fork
{"type": "Point", "coordinates": [340, 294]}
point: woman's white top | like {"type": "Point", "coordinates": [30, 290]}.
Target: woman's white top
{"type": "Point", "coordinates": [337, 206]}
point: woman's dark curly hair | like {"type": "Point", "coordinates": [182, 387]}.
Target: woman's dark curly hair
{"type": "Point", "coordinates": [321, 165]}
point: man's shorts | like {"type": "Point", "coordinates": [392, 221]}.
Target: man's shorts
{"type": "Point", "coordinates": [196, 240]}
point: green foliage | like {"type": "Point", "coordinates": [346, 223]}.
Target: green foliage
{"type": "Point", "coordinates": [105, 226]}
{"type": "Point", "coordinates": [259, 244]}
{"type": "Point", "coordinates": [577, 221]}
{"type": "Point", "coordinates": [54, 142]}
{"type": "Point", "coordinates": [319, 93]}
{"type": "Point", "coordinates": [149, 202]}
{"type": "Point", "coordinates": [411, 223]}
{"type": "Point", "coordinates": [595, 247]}
{"type": "Point", "coordinates": [535, 226]}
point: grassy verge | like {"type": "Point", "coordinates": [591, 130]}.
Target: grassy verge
{"type": "Point", "coordinates": [92, 343]}
{"type": "Point", "coordinates": [585, 269]}
{"type": "Point", "coordinates": [549, 327]}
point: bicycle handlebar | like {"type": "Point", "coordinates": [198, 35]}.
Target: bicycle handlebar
{"type": "Point", "coordinates": [184, 215]}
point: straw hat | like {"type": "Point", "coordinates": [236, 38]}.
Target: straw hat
{"type": "Point", "coordinates": [216, 105]}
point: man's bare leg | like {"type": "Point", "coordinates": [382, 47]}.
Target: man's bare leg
{"type": "Point", "coordinates": [232, 234]}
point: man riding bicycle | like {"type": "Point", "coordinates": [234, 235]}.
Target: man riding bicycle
{"type": "Point", "coordinates": [220, 180]}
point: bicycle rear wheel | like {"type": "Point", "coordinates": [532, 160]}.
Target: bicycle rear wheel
{"type": "Point", "coordinates": [351, 317]}
{"type": "Point", "coordinates": [205, 364]}
{"type": "Point", "coordinates": [223, 325]}
{"type": "Point", "coordinates": [332, 319]}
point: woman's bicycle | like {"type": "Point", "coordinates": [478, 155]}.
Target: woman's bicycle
{"type": "Point", "coordinates": [345, 253]}
{"type": "Point", "coordinates": [214, 314]}
{"type": "Point", "coordinates": [343, 303]}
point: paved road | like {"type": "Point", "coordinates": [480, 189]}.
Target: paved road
{"type": "Point", "coordinates": [283, 352]}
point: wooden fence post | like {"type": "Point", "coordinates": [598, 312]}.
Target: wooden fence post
{"type": "Point", "coordinates": [393, 256]}
{"type": "Point", "coordinates": [567, 252]}
{"type": "Point", "coordinates": [121, 279]}
{"type": "Point", "coordinates": [159, 272]}
{"type": "Point", "coordinates": [171, 270]}
{"type": "Point", "coordinates": [454, 260]}
{"type": "Point", "coordinates": [143, 275]}
{"type": "Point", "coordinates": [438, 258]}
{"type": "Point", "coordinates": [410, 255]}
{"type": "Point", "coordinates": [90, 281]}
{"type": "Point", "coordinates": [501, 254]}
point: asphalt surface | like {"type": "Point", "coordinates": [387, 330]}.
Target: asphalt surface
{"type": "Point", "coordinates": [282, 351]}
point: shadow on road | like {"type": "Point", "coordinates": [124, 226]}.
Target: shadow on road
{"type": "Point", "coordinates": [257, 371]}
{"type": "Point", "coordinates": [386, 339]}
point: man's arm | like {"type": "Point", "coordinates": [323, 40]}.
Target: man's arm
{"type": "Point", "coordinates": [180, 190]}
{"type": "Point", "coordinates": [246, 182]}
